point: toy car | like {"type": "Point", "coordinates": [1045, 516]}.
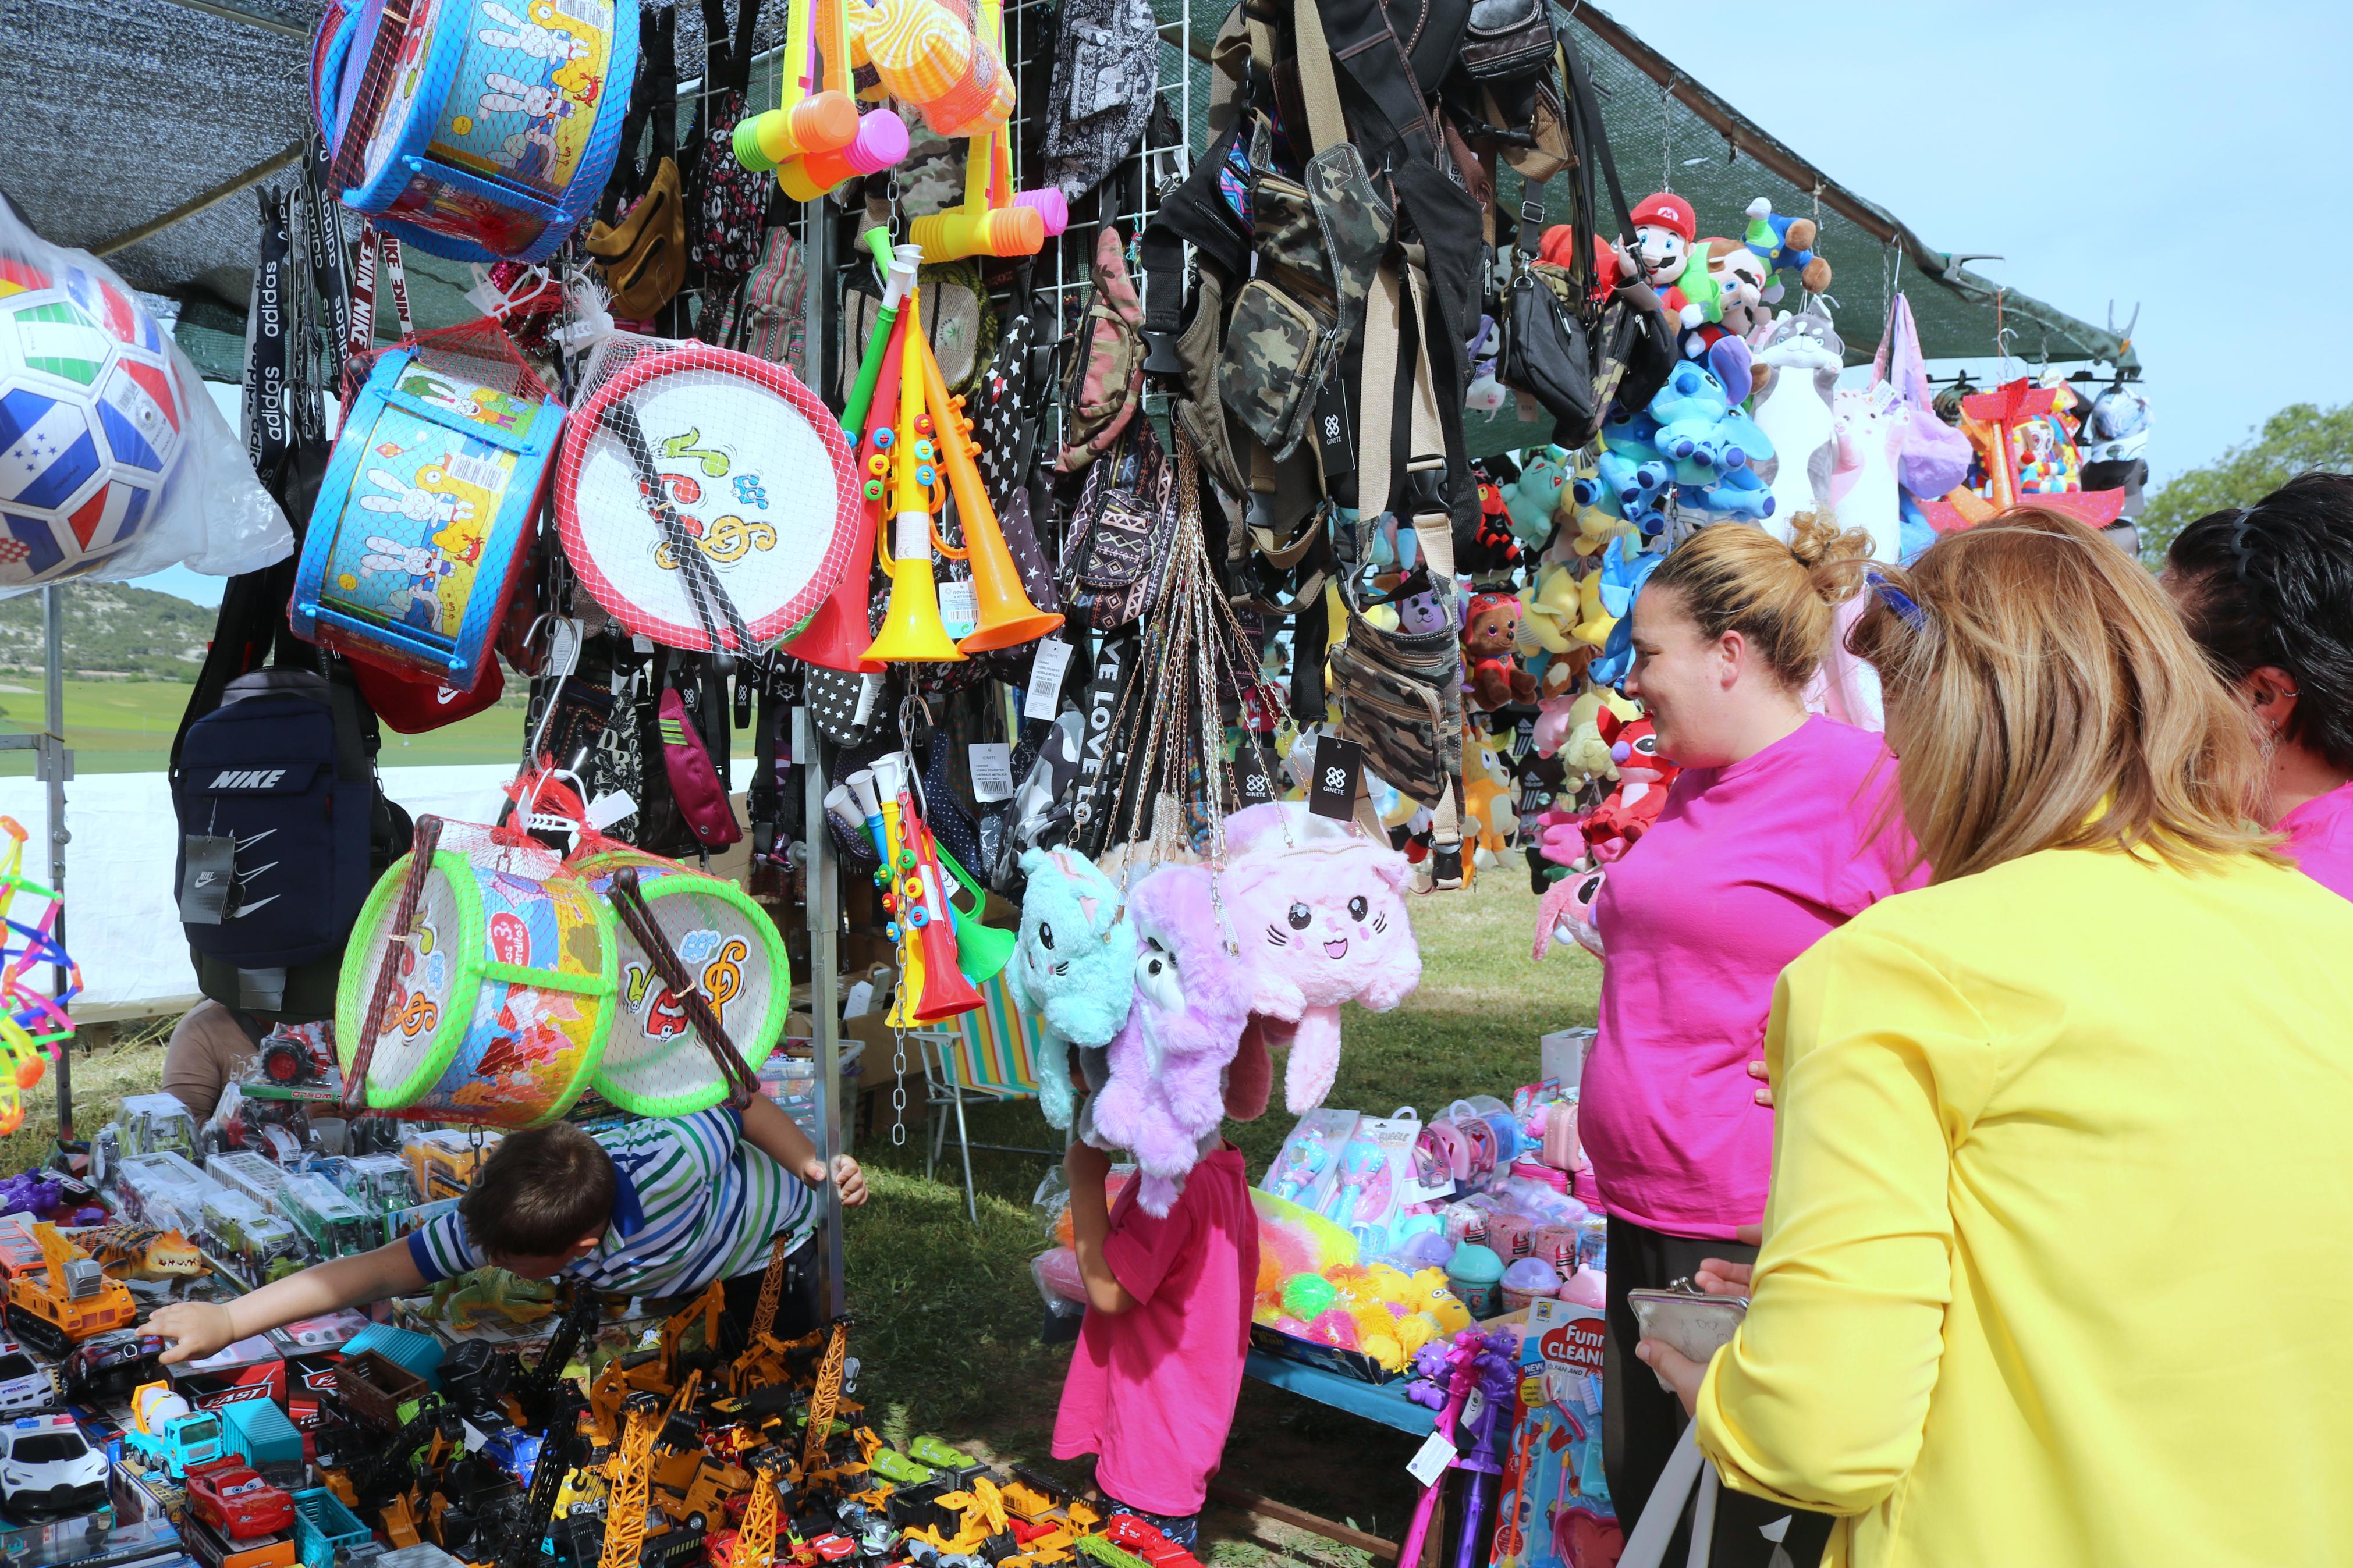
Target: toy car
{"type": "Point", "coordinates": [515, 1452]}
{"type": "Point", "coordinates": [24, 1386]}
{"type": "Point", "coordinates": [111, 1365]}
{"type": "Point", "coordinates": [234, 1499]}
{"type": "Point", "coordinates": [47, 1470]}
{"type": "Point", "coordinates": [288, 1059]}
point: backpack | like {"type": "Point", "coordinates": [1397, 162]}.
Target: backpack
{"type": "Point", "coordinates": [276, 792]}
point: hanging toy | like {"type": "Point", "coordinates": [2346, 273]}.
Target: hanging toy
{"type": "Point", "coordinates": [31, 1023]}
{"type": "Point", "coordinates": [817, 138]}
{"type": "Point", "coordinates": [474, 130]}
{"type": "Point", "coordinates": [939, 57]}
{"type": "Point", "coordinates": [912, 632]}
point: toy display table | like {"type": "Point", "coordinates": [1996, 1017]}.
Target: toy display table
{"type": "Point", "coordinates": [1385, 1403]}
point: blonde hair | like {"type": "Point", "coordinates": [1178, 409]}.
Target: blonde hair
{"type": "Point", "coordinates": [1734, 577]}
{"type": "Point", "coordinates": [2042, 694]}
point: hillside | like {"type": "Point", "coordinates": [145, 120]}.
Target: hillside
{"type": "Point", "coordinates": [111, 629]}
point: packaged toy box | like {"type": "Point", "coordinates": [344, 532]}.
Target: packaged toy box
{"type": "Point", "coordinates": [1554, 1509]}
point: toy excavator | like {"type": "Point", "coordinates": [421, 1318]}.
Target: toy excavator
{"type": "Point", "coordinates": [68, 1300]}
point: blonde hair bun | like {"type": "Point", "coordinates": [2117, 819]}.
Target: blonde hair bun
{"type": "Point", "coordinates": [1834, 558]}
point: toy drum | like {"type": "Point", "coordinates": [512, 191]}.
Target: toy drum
{"type": "Point", "coordinates": [655, 1064]}
{"type": "Point", "coordinates": [506, 990]}
{"type": "Point", "coordinates": [424, 514]}
{"type": "Point", "coordinates": [706, 498]}
{"type": "Point", "coordinates": [477, 130]}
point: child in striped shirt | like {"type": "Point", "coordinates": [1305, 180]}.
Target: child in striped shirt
{"type": "Point", "coordinates": [646, 1207]}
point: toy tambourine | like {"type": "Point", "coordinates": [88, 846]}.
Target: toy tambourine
{"type": "Point", "coordinates": [707, 499]}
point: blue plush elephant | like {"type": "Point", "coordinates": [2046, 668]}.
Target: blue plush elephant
{"type": "Point", "coordinates": [1074, 968]}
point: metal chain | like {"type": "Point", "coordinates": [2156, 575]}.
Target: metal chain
{"type": "Point", "coordinates": [899, 1085]}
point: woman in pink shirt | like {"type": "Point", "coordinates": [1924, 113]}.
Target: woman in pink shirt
{"type": "Point", "coordinates": [2267, 591]}
{"type": "Point", "coordinates": [1780, 828]}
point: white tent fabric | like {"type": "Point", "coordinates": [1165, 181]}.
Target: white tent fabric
{"type": "Point", "coordinates": [121, 925]}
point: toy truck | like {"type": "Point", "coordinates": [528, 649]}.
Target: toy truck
{"type": "Point", "coordinates": [241, 1233]}
{"type": "Point", "coordinates": [164, 1189]}
{"type": "Point", "coordinates": [258, 1176]}
{"type": "Point", "coordinates": [69, 1298]}
{"type": "Point", "coordinates": [169, 1436]}
{"type": "Point", "coordinates": [443, 1163]}
{"type": "Point", "coordinates": [332, 1224]}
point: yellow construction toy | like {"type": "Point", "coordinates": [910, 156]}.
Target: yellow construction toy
{"type": "Point", "coordinates": [69, 1298]}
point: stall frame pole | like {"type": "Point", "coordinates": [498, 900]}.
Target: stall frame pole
{"type": "Point", "coordinates": [823, 905]}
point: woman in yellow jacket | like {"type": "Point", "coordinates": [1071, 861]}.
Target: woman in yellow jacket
{"type": "Point", "coordinates": [2056, 1266]}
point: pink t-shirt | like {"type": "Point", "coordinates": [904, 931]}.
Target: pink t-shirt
{"type": "Point", "coordinates": [1151, 1389]}
{"type": "Point", "coordinates": [2320, 836]}
{"type": "Point", "coordinates": [1748, 866]}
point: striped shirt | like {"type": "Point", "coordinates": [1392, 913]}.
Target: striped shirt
{"type": "Point", "coordinates": [695, 1204]}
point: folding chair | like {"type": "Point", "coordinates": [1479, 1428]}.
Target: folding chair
{"type": "Point", "coordinates": [990, 1057]}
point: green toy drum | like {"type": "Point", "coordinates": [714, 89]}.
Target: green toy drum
{"type": "Point", "coordinates": [507, 984]}
{"type": "Point", "coordinates": [655, 1064]}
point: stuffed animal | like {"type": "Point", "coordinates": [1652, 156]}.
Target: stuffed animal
{"type": "Point", "coordinates": [1534, 495]}
{"type": "Point", "coordinates": [1709, 442]}
{"type": "Point", "coordinates": [1074, 968]}
{"type": "Point", "coordinates": [1167, 1066]}
{"type": "Point", "coordinates": [1489, 793]}
{"type": "Point", "coordinates": [1801, 357]}
{"type": "Point", "coordinates": [1741, 277]}
{"type": "Point", "coordinates": [1485, 393]}
{"type": "Point", "coordinates": [1319, 912]}
{"type": "Point", "coordinates": [1565, 913]}
{"type": "Point", "coordinates": [1786, 244]}
{"type": "Point", "coordinates": [1643, 777]}
{"type": "Point", "coordinates": [1548, 610]}
{"type": "Point", "coordinates": [1666, 234]}
{"type": "Point", "coordinates": [1620, 579]}
{"type": "Point", "coordinates": [1863, 486]}
{"type": "Point", "coordinates": [1490, 660]}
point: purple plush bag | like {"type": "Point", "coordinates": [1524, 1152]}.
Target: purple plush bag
{"type": "Point", "coordinates": [693, 782]}
{"type": "Point", "coordinates": [1932, 457]}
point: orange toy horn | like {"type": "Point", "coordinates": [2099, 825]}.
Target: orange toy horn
{"type": "Point", "coordinates": [1007, 618]}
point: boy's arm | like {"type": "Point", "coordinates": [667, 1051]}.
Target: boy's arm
{"type": "Point", "coordinates": [198, 1329]}
{"type": "Point", "coordinates": [1086, 1166]}
{"type": "Point", "coordinates": [767, 1128]}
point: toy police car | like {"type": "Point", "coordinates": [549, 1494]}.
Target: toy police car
{"type": "Point", "coordinates": [24, 1384]}
{"type": "Point", "coordinates": [46, 1470]}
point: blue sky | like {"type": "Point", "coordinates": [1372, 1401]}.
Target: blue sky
{"type": "Point", "coordinates": [2175, 154]}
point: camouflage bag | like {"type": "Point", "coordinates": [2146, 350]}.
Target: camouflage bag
{"type": "Point", "coordinates": [1107, 382]}
{"type": "Point", "coordinates": [1317, 241]}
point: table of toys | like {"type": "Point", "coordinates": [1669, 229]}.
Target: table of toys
{"type": "Point", "coordinates": [495, 1421]}
{"type": "Point", "coordinates": [1410, 1272]}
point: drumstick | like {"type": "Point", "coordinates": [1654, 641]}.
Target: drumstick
{"type": "Point", "coordinates": [422, 843]}
{"type": "Point", "coordinates": [629, 902]}
{"type": "Point", "coordinates": [702, 582]}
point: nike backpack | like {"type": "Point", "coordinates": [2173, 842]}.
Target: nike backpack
{"type": "Point", "coordinates": [275, 790]}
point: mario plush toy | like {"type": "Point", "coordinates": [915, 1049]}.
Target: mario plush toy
{"type": "Point", "coordinates": [1666, 247]}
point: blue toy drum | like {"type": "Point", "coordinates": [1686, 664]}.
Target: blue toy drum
{"type": "Point", "coordinates": [477, 130]}
{"type": "Point", "coordinates": [424, 516]}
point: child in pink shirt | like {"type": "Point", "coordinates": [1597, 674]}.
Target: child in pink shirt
{"type": "Point", "coordinates": [1159, 1366]}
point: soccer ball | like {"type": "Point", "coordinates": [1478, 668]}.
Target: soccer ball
{"type": "Point", "coordinates": [93, 430]}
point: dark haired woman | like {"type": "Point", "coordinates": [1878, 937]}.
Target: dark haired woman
{"type": "Point", "coordinates": [2267, 591]}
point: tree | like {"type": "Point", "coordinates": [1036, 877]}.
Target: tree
{"type": "Point", "coordinates": [2297, 439]}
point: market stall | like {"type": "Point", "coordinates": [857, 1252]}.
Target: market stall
{"type": "Point", "coordinates": [1032, 540]}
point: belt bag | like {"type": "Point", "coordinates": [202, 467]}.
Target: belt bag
{"type": "Point", "coordinates": [1506, 40]}
{"type": "Point", "coordinates": [1318, 244]}
{"type": "Point", "coordinates": [1548, 354]}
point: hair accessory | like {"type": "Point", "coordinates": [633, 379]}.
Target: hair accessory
{"type": "Point", "coordinates": [2243, 560]}
{"type": "Point", "coordinates": [1901, 603]}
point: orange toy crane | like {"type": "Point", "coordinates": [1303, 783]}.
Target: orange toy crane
{"type": "Point", "coordinates": [625, 1513]}
{"type": "Point", "coordinates": [756, 1543]}
{"type": "Point", "coordinates": [68, 1299]}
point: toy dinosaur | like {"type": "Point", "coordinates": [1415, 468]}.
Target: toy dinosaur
{"type": "Point", "coordinates": [143, 1252]}
{"type": "Point", "coordinates": [460, 1301]}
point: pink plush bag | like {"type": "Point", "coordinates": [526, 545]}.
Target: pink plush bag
{"type": "Point", "coordinates": [693, 782]}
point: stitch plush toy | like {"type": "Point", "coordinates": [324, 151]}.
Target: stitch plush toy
{"type": "Point", "coordinates": [1167, 1066]}
{"type": "Point", "coordinates": [1074, 967]}
{"type": "Point", "coordinates": [1643, 778]}
{"type": "Point", "coordinates": [1565, 913]}
{"type": "Point", "coordinates": [1319, 913]}
{"type": "Point", "coordinates": [1491, 663]}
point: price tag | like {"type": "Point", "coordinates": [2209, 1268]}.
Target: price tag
{"type": "Point", "coordinates": [641, 643]}
{"type": "Point", "coordinates": [1046, 667]}
{"type": "Point", "coordinates": [799, 739]}
{"type": "Point", "coordinates": [1429, 1460]}
{"type": "Point", "coordinates": [1332, 786]}
{"type": "Point", "coordinates": [992, 770]}
{"type": "Point", "coordinates": [211, 873]}
{"type": "Point", "coordinates": [608, 809]}
{"type": "Point", "coordinates": [959, 609]}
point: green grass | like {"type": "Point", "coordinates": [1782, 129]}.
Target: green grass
{"type": "Point", "coordinates": [126, 727]}
{"type": "Point", "coordinates": [947, 1317]}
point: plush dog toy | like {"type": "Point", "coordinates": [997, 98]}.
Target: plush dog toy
{"type": "Point", "coordinates": [1319, 912]}
{"type": "Point", "coordinates": [1167, 1066]}
{"type": "Point", "coordinates": [1074, 968]}
{"type": "Point", "coordinates": [1490, 660]}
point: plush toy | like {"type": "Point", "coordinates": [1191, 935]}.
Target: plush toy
{"type": "Point", "coordinates": [1485, 393]}
{"type": "Point", "coordinates": [1565, 913]}
{"type": "Point", "coordinates": [1317, 908]}
{"type": "Point", "coordinates": [1548, 610]}
{"type": "Point", "coordinates": [1491, 661]}
{"type": "Point", "coordinates": [1167, 1066]}
{"type": "Point", "coordinates": [1074, 968]}
{"type": "Point", "coordinates": [1666, 233]}
{"type": "Point", "coordinates": [1863, 488]}
{"type": "Point", "coordinates": [1489, 791]}
{"type": "Point", "coordinates": [1741, 277]}
{"type": "Point", "coordinates": [1621, 577]}
{"type": "Point", "coordinates": [1800, 359]}
{"type": "Point", "coordinates": [1786, 244]}
{"type": "Point", "coordinates": [1643, 776]}
{"type": "Point", "coordinates": [1702, 434]}
{"type": "Point", "coordinates": [1492, 548]}
{"type": "Point", "coordinates": [1532, 498]}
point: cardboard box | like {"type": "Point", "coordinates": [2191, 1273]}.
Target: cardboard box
{"type": "Point", "coordinates": [253, 1368]}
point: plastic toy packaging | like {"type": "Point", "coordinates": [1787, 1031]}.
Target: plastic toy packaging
{"type": "Point", "coordinates": [1554, 1509]}
{"type": "Point", "coordinates": [118, 465]}
{"type": "Point", "coordinates": [1307, 1169]}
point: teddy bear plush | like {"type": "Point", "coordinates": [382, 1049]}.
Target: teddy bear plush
{"type": "Point", "coordinates": [1491, 660]}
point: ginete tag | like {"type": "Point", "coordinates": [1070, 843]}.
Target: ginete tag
{"type": "Point", "coordinates": [1332, 786]}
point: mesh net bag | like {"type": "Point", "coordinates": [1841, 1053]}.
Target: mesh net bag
{"type": "Point", "coordinates": [425, 512]}
{"type": "Point", "coordinates": [706, 498]}
{"type": "Point", "coordinates": [502, 987]}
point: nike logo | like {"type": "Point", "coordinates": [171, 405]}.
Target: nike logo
{"type": "Point", "coordinates": [248, 778]}
{"type": "Point", "coordinates": [239, 914]}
